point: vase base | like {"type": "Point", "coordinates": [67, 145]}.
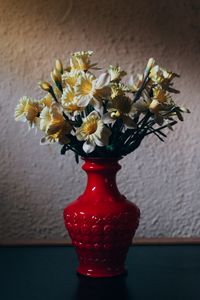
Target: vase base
{"type": "Point", "coordinates": [92, 273]}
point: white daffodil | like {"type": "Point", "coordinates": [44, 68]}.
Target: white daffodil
{"type": "Point", "coordinates": [28, 110]}
{"type": "Point", "coordinates": [162, 106]}
{"type": "Point", "coordinates": [93, 132]}
{"type": "Point", "coordinates": [161, 100]}
{"type": "Point", "coordinates": [71, 78]}
{"type": "Point", "coordinates": [121, 107]}
{"type": "Point", "coordinates": [116, 73]}
{"type": "Point", "coordinates": [162, 77]}
{"type": "Point", "coordinates": [118, 89]}
{"type": "Point", "coordinates": [54, 125]}
{"type": "Point", "coordinates": [47, 101]}
{"type": "Point", "coordinates": [81, 61]}
{"type": "Point", "coordinates": [85, 89]}
{"type": "Point", "coordinates": [161, 95]}
{"type": "Point", "coordinates": [70, 101]}
{"type": "Point", "coordinates": [92, 90]}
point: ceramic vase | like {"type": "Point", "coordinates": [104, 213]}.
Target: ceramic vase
{"type": "Point", "coordinates": [101, 222]}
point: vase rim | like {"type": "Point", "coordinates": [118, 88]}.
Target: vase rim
{"type": "Point", "coordinates": [101, 158]}
{"type": "Point", "coordinates": [108, 164]}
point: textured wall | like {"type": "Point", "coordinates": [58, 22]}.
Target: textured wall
{"type": "Point", "coordinates": [163, 179]}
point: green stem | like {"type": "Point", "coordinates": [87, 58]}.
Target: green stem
{"type": "Point", "coordinates": [51, 91]}
{"type": "Point", "coordinates": [139, 92]}
{"type": "Point", "coordinates": [162, 127]}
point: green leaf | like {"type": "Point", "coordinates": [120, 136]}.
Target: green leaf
{"type": "Point", "coordinates": [77, 158]}
{"type": "Point", "coordinates": [179, 115]}
{"type": "Point", "coordinates": [64, 149]}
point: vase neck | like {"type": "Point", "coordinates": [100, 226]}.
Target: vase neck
{"type": "Point", "coordinates": [101, 177]}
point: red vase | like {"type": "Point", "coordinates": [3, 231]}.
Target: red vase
{"type": "Point", "coordinates": [101, 222]}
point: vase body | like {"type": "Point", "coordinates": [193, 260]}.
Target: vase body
{"type": "Point", "coordinates": [101, 222]}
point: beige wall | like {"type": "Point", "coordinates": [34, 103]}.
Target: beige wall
{"type": "Point", "coordinates": [163, 179]}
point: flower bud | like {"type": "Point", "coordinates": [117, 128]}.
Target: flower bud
{"type": "Point", "coordinates": [184, 109]}
{"type": "Point", "coordinates": [45, 86]}
{"type": "Point", "coordinates": [55, 76]}
{"type": "Point", "coordinates": [59, 66]}
{"type": "Point", "coordinates": [151, 63]}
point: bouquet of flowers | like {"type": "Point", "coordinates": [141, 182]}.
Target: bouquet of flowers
{"type": "Point", "coordinates": [101, 116]}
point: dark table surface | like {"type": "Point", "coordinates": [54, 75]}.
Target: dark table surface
{"type": "Point", "coordinates": [154, 272]}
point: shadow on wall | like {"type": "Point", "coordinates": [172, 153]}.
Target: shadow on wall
{"type": "Point", "coordinates": [125, 27]}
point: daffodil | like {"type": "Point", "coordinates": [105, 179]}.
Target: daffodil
{"type": "Point", "coordinates": [162, 106]}
{"type": "Point", "coordinates": [82, 110]}
{"type": "Point", "coordinates": [118, 89]}
{"type": "Point", "coordinates": [116, 73]}
{"type": "Point", "coordinates": [81, 61]}
{"type": "Point", "coordinates": [161, 100]}
{"type": "Point", "coordinates": [69, 101]}
{"type": "Point", "coordinates": [47, 101]}
{"type": "Point", "coordinates": [121, 107]}
{"type": "Point", "coordinates": [161, 95]}
{"type": "Point", "coordinates": [163, 78]}
{"type": "Point", "coordinates": [54, 125]}
{"type": "Point", "coordinates": [91, 90]}
{"type": "Point", "coordinates": [71, 78]}
{"type": "Point", "coordinates": [28, 110]}
{"type": "Point", "coordinates": [85, 89]}
{"type": "Point", "coordinates": [93, 132]}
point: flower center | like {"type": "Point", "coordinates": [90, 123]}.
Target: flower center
{"type": "Point", "coordinates": [30, 111]}
{"type": "Point", "coordinates": [71, 80]}
{"type": "Point", "coordinates": [47, 101]}
{"type": "Point", "coordinates": [90, 127]}
{"type": "Point", "coordinates": [160, 95]}
{"type": "Point", "coordinates": [73, 107]}
{"type": "Point", "coordinates": [69, 97]}
{"type": "Point", "coordinates": [86, 87]}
